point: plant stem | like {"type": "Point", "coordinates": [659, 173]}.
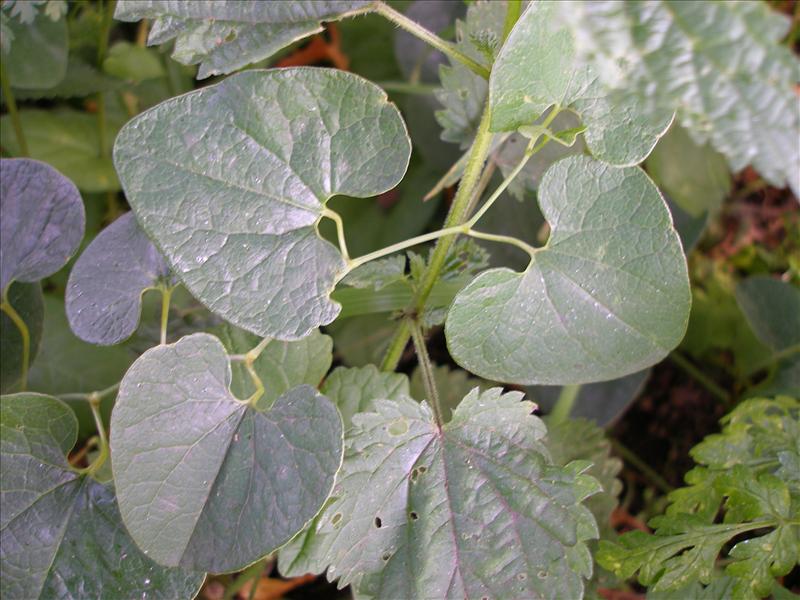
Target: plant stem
{"type": "Point", "coordinates": [772, 359]}
{"type": "Point", "coordinates": [102, 48]}
{"type": "Point", "coordinates": [483, 183]}
{"type": "Point", "coordinates": [431, 38]}
{"type": "Point", "coordinates": [420, 239]}
{"type": "Point", "coordinates": [94, 403]}
{"type": "Point", "coordinates": [513, 11]}
{"type": "Point", "coordinates": [166, 295]}
{"type": "Point", "coordinates": [396, 346]}
{"type": "Point", "coordinates": [700, 377]}
{"type": "Point", "coordinates": [84, 396]}
{"type": "Point", "coordinates": [503, 239]}
{"type": "Point", "coordinates": [11, 103]}
{"type": "Point", "coordinates": [6, 307]}
{"type": "Point", "coordinates": [426, 368]}
{"type": "Point", "coordinates": [402, 87]}
{"type": "Point", "coordinates": [645, 469]}
{"type": "Point", "coordinates": [336, 218]}
{"type": "Point", "coordinates": [250, 573]}
{"type": "Point", "coordinates": [564, 404]}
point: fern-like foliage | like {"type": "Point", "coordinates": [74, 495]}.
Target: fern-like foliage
{"type": "Point", "coordinates": [750, 475]}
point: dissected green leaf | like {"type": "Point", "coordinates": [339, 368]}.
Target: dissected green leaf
{"type": "Point", "coordinates": [607, 296]}
{"type": "Point", "coordinates": [41, 221]}
{"type": "Point", "coordinates": [273, 147]}
{"type": "Point", "coordinates": [68, 140]}
{"type": "Point", "coordinates": [772, 308]}
{"type": "Point", "coordinates": [178, 485]}
{"type": "Point", "coordinates": [538, 68]}
{"type": "Point", "coordinates": [226, 35]}
{"type": "Point", "coordinates": [37, 57]}
{"type": "Point", "coordinates": [26, 300]}
{"type": "Point", "coordinates": [414, 498]}
{"type": "Point", "coordinates": [453, 385]}
{"type": "Point", "coordinates": [281, 366]}
{"type": "Point", "coordinates": [61, 531]}
{"type": "Point", "coordinates": [721, 65]}
{"type": "Point", "coordinates": [104, 292]}
{"type": "Point", "coordinates": [695, 176]}
{"type": "Point", "coordinates": [354, 390]}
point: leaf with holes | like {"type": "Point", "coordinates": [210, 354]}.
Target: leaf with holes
{"type": "Point", "coordinates": [61, 531]}
{"type": "Point", "coordinates": [104, 292]}
{"type": "Point", "coordinates": [256, 157]}
{"type": "Point", "coordinates": [226, 35]}
{"type": "Point", "coordinates": [607, 296]}
{"type": "Point", "coordinates": [414, 497]}
{"type": "Point", "coordinates": [178, 485]}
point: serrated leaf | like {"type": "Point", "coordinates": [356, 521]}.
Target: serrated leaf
{"type": "Point", "coordinates": [41, 221]}
{"type": "Point", "coordinates": [607, 296]}
{"type": "Point", "coordinates": [37, 57]}
{"type": "Point", "coordinates": [538, 68]}
{"type": "Point", "coordinates": [772, 308]}
{"type": "Point", "coordinates": [354, 390]}
{"type": "Point", "coordinates": [453, 385]}
{"type": "Point", "coordinates": [105, 287]}
{"type": "Point", "coordinates": [177, 487]}
{"type": "Point", "coordinates": [292, 139]}
{"type": "Point", "coordinates": [720, 64]}
{"type": "Point", "coordinates": [411, 496]}
{"type": "Point", "coordinates": [281, 365]}
{"type": "Point", "coordinates": [68, 140]}
{"type": "Point", "coordinates": [26, 299]}
{"type": "Point", "coordinates": [225, 35]}
{"type": "Point", "coordinates": [61, 531]}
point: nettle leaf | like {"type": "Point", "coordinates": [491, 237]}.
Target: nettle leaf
{"type": "Point", "coordinates": [61, 531]}
{"type": "Point", "coordinates": [772, 308]}
{"type": "Point", "coordinates": [26, 299]}
{"type": "Point", "coordinates": [105, 287]}
{"type": "Point", "coordinates": [453, 385]}
{"type": "Point", "coordinates": [412, 497]}
{"type": "Point", "coordinates": [281, 366]}
{"type": "Point", "coordinates": [37, 56]}
{"type": "Point", "coordinates": [538, 68]}
{"type": "Point", "coordinates": [720, 64]}
{"type": "Point", "coordinates": [41, 220]}
{"type": "Point", "coordinates": [178, 486]}
{"type": "Point", "coordinates": [608, 294]}
{"type": "Point", "coordinates": [226, 35]}
{"type": "Point", "coordinates": [256, 157]}
{"type": "Point", "coordinates": [354, 390]}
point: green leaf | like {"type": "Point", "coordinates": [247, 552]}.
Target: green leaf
{"type": "Point", "coordinates": [538, 68]}
{"type": "Point", "coordinates": [721, 65]}
{"type": "Point", "coordinates": [133, 63]}
{"type": "Point", "coordinates": [293, 138]}
{"type": "Point", "coordinates": [281, 365]}
{"type": "Point", "coordinates": [607, 296]}
{"type": "Point", "coordinates": [226, 35]}
{"type": "Point", "coordinates": [452, 384]}
{"type": "Point", "coordinates": [695, 176]}
{"type": "Point", "coordinates": [378, 273]}
{"type": "Point", "coordinates": [104, 292]}
{"type": "Point", "coordinates": [61, 531]}
{"type": "Point", "coordinates": [26, 299]}
{"type": "Point", "coordinates": [81, 80]}
{"type": "Point", "coordinates": [772, 308]}
{"type": "Point", "coordinates": [354, 390]}
{"type": "Point", "coordinates": [68, 140]}
{"type": "Point", "coordinates": [41, 221]}
{"type": "Point", "coordinates": [411, 497]}
{"type": "Point", "coordinates": [37, 57]}
{"type": "Point", "coordinates": [178, 486]}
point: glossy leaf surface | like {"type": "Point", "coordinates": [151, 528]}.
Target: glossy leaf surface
{"type": "Point", "coordinates": [104, 292]}
{"type": "Point", "coordinates": [412, 497]}
{"type": "Point", "coordinates": [607, 296]}
{"type": "Point", "coordinates": [186, 455]}
{"type": "Point", "coordinates": [270, 149]}
{"type": "Point", "coordinates": [61, 532]}
{"type": "Point", "coordinates": [41, 220]}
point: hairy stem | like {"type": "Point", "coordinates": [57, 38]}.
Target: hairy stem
{"type": "Point", "coordinates": [431, 38]}
{"type": "Point", "coordinates": [6, 307]}
{"type": "Point", "coordinates": [11, 103]}
{"type": "Point", "coordinates": [426, 368]}
{"type": "Point", "coordinates": [564, 404]}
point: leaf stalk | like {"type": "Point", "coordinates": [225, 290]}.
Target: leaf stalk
{"type": "Point", "coordinates": [18, 321]}
{"type": "Point", "coordinates": [11, 103]}
{"type": "Point", "coordinates": [426, 368]}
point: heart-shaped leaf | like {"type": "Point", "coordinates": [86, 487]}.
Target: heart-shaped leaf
{"type": "Point", "coordinates": [538, 68]}
{"type": "Point", "coordinates": [61, 532]}
{"type": "Point", "coordinates": [414, 498]}
{"type": "Point", "coordinates": [772, 308]}
{"type": "Point", "coordinates": [26, 299]}
{"type": "Point", "coordinates": [231, 180]}
{"type": "Point", "coordinates": [226, 35]}
{"type": "Point", "coordinates": [41, 220]}
{"type": "Point", "coordinates": [104, 292]}
{"type": "Point", "coordinates": [178, 486]}
{"type": "Point", "coordinates": [607, 296]}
